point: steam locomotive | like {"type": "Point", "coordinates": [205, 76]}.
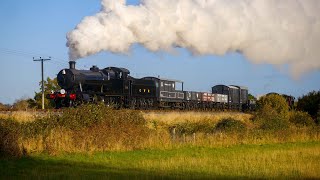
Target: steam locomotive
{"type": "Point", "coordinates": [114, 86]}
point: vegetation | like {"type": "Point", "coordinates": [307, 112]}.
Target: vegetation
{"type": "Point", "coordinates": [273, 112]}
{"type": "Point", "coordinates": [21, 104]}
{"type": "Point", "coordinates": [310, 103]}
{"type": "Point", "coordinates": [300, 119]}
{"type": "Point", "coordinates": [3, 107]}
{"type": "Point", "coordinates": [318, 117]}
{"type": "Point", "coordinates": [24, 104]}
{"type": "Point", "coordinates": [230, 125]}
{"type": "Point", "coordinates": [49, 85]}
{"type": "Point", "coordinates": [21, 116]}
{"type": "Point", "coordinates": [97, 128]}
{"type": "Point", "coordinates": [271, 161]}
{"type": "Point", "coordinates": [85, 129]}
{"type": "Point", "coordinates": [251, 97]}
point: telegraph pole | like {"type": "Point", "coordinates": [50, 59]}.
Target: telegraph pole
{"type": "Point", "coordinates": [42, 81]}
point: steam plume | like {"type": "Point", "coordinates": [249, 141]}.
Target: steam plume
{"type": "Point", "coordinates": [266, 31]}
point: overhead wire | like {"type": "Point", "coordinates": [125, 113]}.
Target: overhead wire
{"type": "Point", "coordinates": [31, 55]}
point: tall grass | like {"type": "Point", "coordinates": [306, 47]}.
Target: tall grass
{"type": "Point", "coordinates": [88, 128]}
{"type": "Point", "coordinates": [178, 117]}
{"type": "Point", "coordinates": [20, 116]}
{"type": "Point", "coordinates": [96, 128]}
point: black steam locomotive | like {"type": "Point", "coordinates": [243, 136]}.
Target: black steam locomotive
{"type": "Point", "coordinates": [114, 86]}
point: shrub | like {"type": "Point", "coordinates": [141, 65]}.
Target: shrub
{"type": "Point", "coordinates": [318, 116]}
{"type": "Point", "coordinates": [21, 105]}
{"type": "Point", "coordinates": [276, 103]}
{"type": "Point", "coordinates": [84, 129]}
{"type": "Point", "coordinates": [230, 125]}
{"type": "Point", "coordinates": [3, 107]}
{"type": "Point", "coordinates": [300, 118]}
{"type": "Point", "coordinates": [99, 127]}
{"type": "Point", "coordinates": [190, 127]}
{"type": "Point", "coordinates": [9, 135]}
{"type": "Point", "coordinates": [85, 116]}
{"type": "Point", "coordinates": [310, 103]}
{"type": "Point", "coordinates": [274, 122]}
{"type": "Point", "coordinates": [273, 113]}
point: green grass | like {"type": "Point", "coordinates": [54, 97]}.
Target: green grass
{"type": "Point", "coordinates": [288, 160]}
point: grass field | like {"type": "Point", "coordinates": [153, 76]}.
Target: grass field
{"type": "Point", "coordinates": [98, 142]}
{"type": "Point", "coordinates": [288, 160]}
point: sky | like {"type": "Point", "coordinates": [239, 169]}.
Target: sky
{"type": "Point", "coordinates": [38, 28]}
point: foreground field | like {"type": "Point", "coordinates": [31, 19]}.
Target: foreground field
{"type": "Point", "coordinates": [288, 160]}
{"type": "Point", "coordinates": [94, 141]}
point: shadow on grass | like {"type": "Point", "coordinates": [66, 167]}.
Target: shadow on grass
{"type": "Point", "coordinates": [37, 168]}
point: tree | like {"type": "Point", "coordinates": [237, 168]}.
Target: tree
{"type": "Point", "coordinates": [49, 85]}
{"type": "Point", "coordinates": [276, 103]}
{"type": "Point", "coordinates": [251, 97]}
{"type": "Point", "coordinates": [3, 107]}
{"type": "Point", "coordinates": [21, 104]}
{"type": "Point", "coordinates": [310, 103]}
{"type": "Point", "coordinates": [318, 116]}
{"type": "Point", "coordinates": [273, 112]}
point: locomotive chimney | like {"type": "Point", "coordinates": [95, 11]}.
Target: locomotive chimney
{"type": "Point", "coordinates": [72, 64]}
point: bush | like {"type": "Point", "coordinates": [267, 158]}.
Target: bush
{"type": "Point", "coordinates": [318, 117]}
{"type": "Point", "coordinates": [84, 129]}
{"type": "Point", "coordinates": [273, 113]}
{"type": "Point", "coordinates": [85, 116]}
{"type": "Point", "coordinates": [9, 135]}
{"type": "Point", "coordinates": [310, 103]}
{"type": "Point", "coordinates": [273, 122]}
{"type": "Point", "coordinates": [188, 127]}
{"type": "Point", "coordinates": [300, 118]}
{"type": "Point", "coordinates": [274, 102]}
{"type": "Point", "coordinates": [230, 125]}
{"type": "Point", "coordinates": [21, 105]}
{"type": "Point", "coordinates": [3, 107]}
{"type": "Point", "coordinates": [104, 128]}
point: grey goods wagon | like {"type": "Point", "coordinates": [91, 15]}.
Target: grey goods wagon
{"type": "Point", "coordinates": [237, 95]}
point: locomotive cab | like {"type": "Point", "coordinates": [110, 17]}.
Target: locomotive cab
{"type": "Point", "coordinates": [116, 73]}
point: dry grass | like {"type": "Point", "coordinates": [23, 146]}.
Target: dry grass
{"type": "Point", "coordinates": [176, 117]}
{"type": "Point", "coordinates": [196, 128]}
{"type": "Point", "coordinates": [172, 118]}
{"type": "Point", "coordinates": [19, 116]}
{"type": "Point", "coordinates": [251, 153]}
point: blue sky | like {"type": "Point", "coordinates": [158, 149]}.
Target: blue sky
{"type": "Point", "coordinates": [38, 28]}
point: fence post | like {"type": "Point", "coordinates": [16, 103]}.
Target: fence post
{"type": "Point", "coordinates": [173, 134]}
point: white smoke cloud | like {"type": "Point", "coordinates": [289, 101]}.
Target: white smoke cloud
{"type": "Point", "coordinates": [266, 31]}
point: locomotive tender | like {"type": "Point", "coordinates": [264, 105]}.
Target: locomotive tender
{"type": "Point", "coordinates": [114, 86]}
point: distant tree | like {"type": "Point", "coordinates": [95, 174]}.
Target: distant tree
{"type": "Point", "coordinates": [3, 107]}
{"type": "Point", "coordinates": [310, 103]}
{"type": "Point", "coordinates": [251, 97]}
{"type": "Point", "coordinates": [318, 116]}
{"type": "Point", "coordinates": [21, 105]}
{"type": "Point", "coordinates": [32, 103]}
{"type": "Point", "coordinates": [49, 85]}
